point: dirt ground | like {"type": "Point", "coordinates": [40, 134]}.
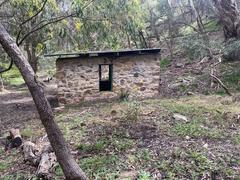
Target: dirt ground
{"type": "Point", "coordinates": [16, 108]}
{"type": "Point", "coordinates": [134, 139]}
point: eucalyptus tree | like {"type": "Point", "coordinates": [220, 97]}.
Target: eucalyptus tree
{"type": "Point", "coordinates": [106, 25]}
{"type": "Point", "coordinates": [229, 17]}
{"type": "Point", "coordinates": [32, 25]}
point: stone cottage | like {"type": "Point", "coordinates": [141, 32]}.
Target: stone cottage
{"type": "Point", "coordinates": [95, 76]}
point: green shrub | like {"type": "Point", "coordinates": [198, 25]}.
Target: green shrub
{"type": "Point", "coordinates": [133, 111]}
{"type": "Point", "coordinates": [164, 63]}
{"type": "Point", "coordinates": [196, 48]}
{"type": "Point", "coordinates": [231, 50]}
{"type": "Point", "coordinates": [143, 175]}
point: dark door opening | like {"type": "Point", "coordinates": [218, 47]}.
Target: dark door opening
{"type": "Point", "coordinates": [105, 77]}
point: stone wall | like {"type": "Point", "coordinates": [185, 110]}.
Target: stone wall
{"type": "Point", "coordinates": [78, 79]}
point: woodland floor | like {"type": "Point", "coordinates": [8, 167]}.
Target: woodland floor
{"type": "Point", "coordinates": [134, 140]}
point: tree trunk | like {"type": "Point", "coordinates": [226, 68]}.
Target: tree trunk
{"type": "Point", "coordinates": [31, 54]}
{"type": "Point", "coordinates": [229, 17]}
{"type": "Point", "coordinates": [70, 168]}
{"type": "Point", "coordinates": [201, 29]}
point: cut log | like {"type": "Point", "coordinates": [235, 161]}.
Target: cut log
{"type": "Point", "coordinates": [16, 139]}
{"type": "Point", "coordinates": [47, 163]}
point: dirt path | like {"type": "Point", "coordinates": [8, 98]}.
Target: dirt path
{"type": "Point", "coordinates": [16, 108]}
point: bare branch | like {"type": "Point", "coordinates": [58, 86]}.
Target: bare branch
{"type": "Point", "coordinates": [221, 83]}
{"type": "Point", "coordinates": [9, 67]}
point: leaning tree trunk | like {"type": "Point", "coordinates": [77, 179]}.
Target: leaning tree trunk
{"type": "Point", "coordinates": [69, 166]}
{"type": "Point", "coordinates": [229, 17]}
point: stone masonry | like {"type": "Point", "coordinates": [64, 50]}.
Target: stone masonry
{"type": "Point", "coordinates": [78, 78]}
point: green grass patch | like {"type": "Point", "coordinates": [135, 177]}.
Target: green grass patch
{"type": "Point", "coordinates": [58, 171]}
{"type": "Point", "coordinates": [18, 176]}
{"type": "Point", "coordinates": [144, 175]}
{"type": "Point", "coordinates": [212, 26]}
{"type": "Point", "coordinates": [73, 127]}
{"type": "Point", "coordinates": [4, 165]}
{"type": "Point", "coordinates": [164, 63]}
{"type": "Point", "coordinates": [196, 129]}
{"type": "Point", "coordinates": [100, 167]}
{"type": "Point", "coordinates": [27, 133]}
{"type": "Point", "coordinates": [191, 164]}
{"type": "Point", "coordinates": [203, 121]}
{"type": "Point", "coordinates": [118, 144]}
{"type": "Point", "coordinates": [237, 139]}
{"type": "Point", "coordinates": [13, 77]}
{"type": "Point", "coordinates": [122, 144]}
{"type": "Point", "coordinates": [100, 145]}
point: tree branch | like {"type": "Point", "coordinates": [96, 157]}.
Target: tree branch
{"type": "Point", "coordinates": [9, 67]}
{"type": "Point", "coordinates": [221, 83]}
{"type": "Point", "coordinates": [40, 25]}
{"type": "Point", "coordinates": [29, 19]}
{"type": "Point", "coordinates": [54, 20]}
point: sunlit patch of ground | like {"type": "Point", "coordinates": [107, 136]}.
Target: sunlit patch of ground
{"type": "Point", "coordinates": [141, 139]}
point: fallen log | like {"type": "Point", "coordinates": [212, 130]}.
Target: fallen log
{"type": "Point", "coordinates": [29, 153]}
{"type": "Point", "coordinates": [41, 157]}
{"type": "Point", "coordinates": [46, 165]}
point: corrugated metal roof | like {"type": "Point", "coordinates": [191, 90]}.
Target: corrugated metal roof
{"type": "Point", "coordinates": [93, 54]}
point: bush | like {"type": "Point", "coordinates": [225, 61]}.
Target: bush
{"type": "Point", "coordinates": [194, 47]}
{"type": "Point", "coordinates": [124, 95]}
{"type": "Point", "coordinates": [133, 111]}
{"type": "Point", "coordinates": [231, 51]}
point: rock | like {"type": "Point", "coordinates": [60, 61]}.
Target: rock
{"type": "Point", "coordinates": [188, 80]}
{"type": "Point", "coordinates": [143, 88]}
{"type": "Point", "coordinates": [179, 65]}
{"type": "Point", "coordinates": [179, 117]}
{"type": "Point", "coordinates": [187, 137]}
{"type": "Point", "coordinates": [190, 93]}
{"type": "Point", "coordinates": [174, 86]}
{"type": "Point", "coordinates": [205, 145]}
{"type": "Point", "coordinates": [59, 109]}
